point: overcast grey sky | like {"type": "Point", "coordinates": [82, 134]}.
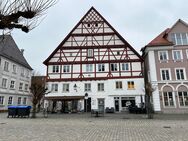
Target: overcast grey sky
{"type": "Point", "coordinates": [138, 21]}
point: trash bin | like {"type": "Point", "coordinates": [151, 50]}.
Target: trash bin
{"type": "Point", "coordinates": [23, 111]}
{"type": "Point", "coordinates": [12, 111]}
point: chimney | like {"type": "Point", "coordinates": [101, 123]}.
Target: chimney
{"type": "Point", "coordinates": [22, 51]}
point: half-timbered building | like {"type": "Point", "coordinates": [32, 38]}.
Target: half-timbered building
{"type": "Point", "coordinates": [96, 63]}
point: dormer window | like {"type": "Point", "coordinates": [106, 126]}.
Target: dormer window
{"type": "Point", "coordinates": [179, 38]}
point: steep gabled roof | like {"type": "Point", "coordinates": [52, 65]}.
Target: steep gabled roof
{"type": "Point", "coordinates": [101, 17]}
{"type": "Point", "coordinates": [10, 50]}
{"type": "Point", "coordinates": [160, 40]}
{"type": "Point", "coordinates": [178, 21]}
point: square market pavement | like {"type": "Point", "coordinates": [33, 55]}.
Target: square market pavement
{"type": "Point", "coordinates": [83, 127]}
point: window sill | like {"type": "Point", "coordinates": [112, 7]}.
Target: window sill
{"type": "Point", "coordinates": [163, 61]}
{"type": "Point", "coordinates": [12, 88]}
{"type": "Point", "coordinates": [87, 91]}
{"type": "Point", "coordinates": [131, 89]}
{"type": "Point", "coordinates": [179, 60]}
{"type": "Point", "coordinates": [170, 107]}
{"type": "Point", "coordinates": [183, 107]}
{"type": "Point", "coordinates": [180, 79]}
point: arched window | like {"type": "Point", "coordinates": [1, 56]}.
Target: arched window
{"type": "Point", "coordinates": [168, 97]}
{"type": "Point", "coordinates": [183, 96]}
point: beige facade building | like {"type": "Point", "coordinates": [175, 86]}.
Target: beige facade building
{"type": "Point", "coordinates": [15, 74]}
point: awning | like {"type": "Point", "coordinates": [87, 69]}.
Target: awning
{"type": "Point", "coordinates": [59, 98]}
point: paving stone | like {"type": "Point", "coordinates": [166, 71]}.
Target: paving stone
{"type": "Point", "coordinates": [83, 127]}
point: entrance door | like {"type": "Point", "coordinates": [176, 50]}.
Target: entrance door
{"type": "Point", "coordinates": [117, 105]}
{"type": "Point", "coordinates": [88, 101]}
{"type": "Point", "coordinates": [101, 105]}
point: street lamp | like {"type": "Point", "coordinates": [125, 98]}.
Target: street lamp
{"type": "Point", "coordinates": [75, 87]}
{"type": "Point", "coordinates": [86, 98]}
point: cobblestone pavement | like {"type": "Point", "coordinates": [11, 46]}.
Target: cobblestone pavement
{"type": "Point", "coordinates": [83, 127]}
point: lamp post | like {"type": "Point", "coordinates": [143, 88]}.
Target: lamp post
{"type": "Point", "coordinates": [86, 98]}
{"type": "Point", "coordinates": [75, 87]}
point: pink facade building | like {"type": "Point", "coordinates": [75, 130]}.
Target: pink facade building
{"type": "Point", "coordinates": [166, 59]}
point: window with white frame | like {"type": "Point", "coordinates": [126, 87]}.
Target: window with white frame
{"type": "Point", "coordinates": [180, 74]}
{"type": "Point", "coordinates": [100, 86]}
{"type": "Point", "coordinates": [26, 87]}
{"type": "Point", "coordinates": [22, 71]}
{"type": "Point", "coordinates": [119, 85]}
{"type": "Point", "coordinates": [10, 100]}
{"type": "Point", "coordinates": [6, 66]}
{"type": "Point", "coordinates": [27, 73]}
{"type": "Point", "coordinates": [165, 74]}
{"type": "Point", "coordinates": [14, 69]}
{"type": "Point", "coordinates": [177, 55]}
{"type": "Point", "coordinates": [65, 87]}
{"type": "Point", "coordinates": [21, 87]}
{"type": "Point", "coordinates": [114, 67]}
{"type": "Point", "coordinates": [24, 101]}
{"type": "Point", "coordinates": [179, 38]}
{"type": "Point", "coordinates": [66, 68]}
{"type": "Point", "coordinates": [130, 84]}
{"type": "Point", "coordinates": [168, 99]}
{"type": "Point", "coordinates": [19, 100]}
{"type": "Point", "coordinates": [87, 87]}
{"type": "Point", "coordinates": [1, 100]}
{"type": "Point", "coordinates": [4, 83]}
{"type": "Point", "coordinates": [12, 84]}
{"type": "Point", "coordinates": [89, 67]}
{"type": "Point", "coordinates": [101, 67]}
{"type": "Point", "coordinates": [54, 88]}
{"type": "Point", "coordinates": [163, 55]}
{"type": "Point", "coordinates": [90, 53]}
{"type": "Point", "coordinates": [124, 66]}
{"type": "Point", "coordinates": [55, 68]}
{"type": "Point", "coordinates": [183, 98]}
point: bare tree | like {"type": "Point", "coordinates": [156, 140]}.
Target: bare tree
{"type": "Point", "coordinates": [22, 14]}
{"type": "Point", "coordinates": [38, 91]}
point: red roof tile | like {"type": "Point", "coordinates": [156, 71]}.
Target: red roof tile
{"type": "Point", "coordinates": [160, 40]}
